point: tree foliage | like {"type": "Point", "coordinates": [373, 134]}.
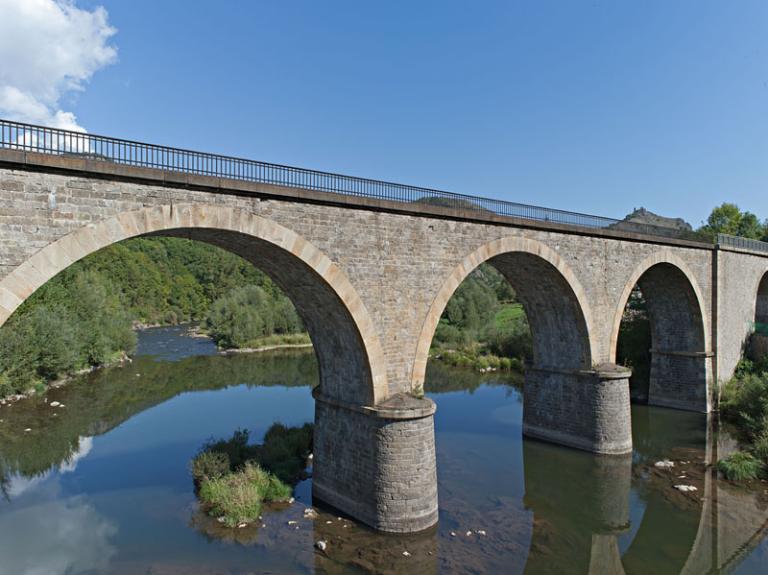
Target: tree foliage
{"type": "Point", "coordinates": [483, 316]}
{"type": "Point", "coordinates": [240, 318]}
{"type": "Point", "coordinates": [727, 218]}
{"type": "Point", "coordinates": [83, 317]}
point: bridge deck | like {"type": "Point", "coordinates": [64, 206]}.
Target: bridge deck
{"type": "Point", "coordinates": [37, 147]}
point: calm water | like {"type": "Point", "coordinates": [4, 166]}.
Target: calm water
{"type": "Point", "coordinates": [100, 485]}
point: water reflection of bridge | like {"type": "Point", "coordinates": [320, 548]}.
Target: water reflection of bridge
{"type": "Point", "coordinates": [601, 533]}
{"type": "Point", "coordinates": [677, 534]}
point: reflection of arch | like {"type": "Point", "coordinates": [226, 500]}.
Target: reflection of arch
{"type": "Point", "coordinates": [680, 358]}
{"type": "Point", "coordinates": [554, 301]}
{"type": "Point", "coordinates": [677, 436]}
{"type": "Point", "coordinates": [350, 357]}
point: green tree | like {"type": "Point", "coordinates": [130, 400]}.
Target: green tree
{"type": "Point", "coordinates": [729, 219]}
{"type": "Point", "coordinates": [246, 314]}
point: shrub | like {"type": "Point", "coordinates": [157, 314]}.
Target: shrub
{"type": "Point", "coordinates": [745, 402]}
{"type": "Point", "coordinates": [6, 388]}
{"type": "Point", "coordinates": [209, 465]}
{"type": "Point", "coordinates": [761, 448]}
{"type": "Point", "coordinates": [238, 496]}
{"type": "Point", "coordinates": [247, 314]}
{"type": "Point", "coordinates": [740, 466]}
{"type": "Point", "coordinates": [449, 334]}
{"type": "Point", "coordinates": [283, 452]}
{"type": "Point", "coordinates": [514, 340]}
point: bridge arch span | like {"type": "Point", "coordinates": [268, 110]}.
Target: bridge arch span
{"type": "Point", "coordinates": [554, 300]}
{"type": "Point", "coordinates": [350, 358]}
{"type": "Point", "coordinates": [681, 360]}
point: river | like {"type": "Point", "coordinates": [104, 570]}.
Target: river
{"type": "Point", "coordinates": [101, 484]}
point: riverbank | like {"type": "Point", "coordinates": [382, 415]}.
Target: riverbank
{"type": "Point", "coordinates": [64, 380]}
{"type": "Point", "coordinates": [269, 343]}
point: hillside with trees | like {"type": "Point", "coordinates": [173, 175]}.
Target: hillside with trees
{"type": "Point", "coordinates": [84, 317]}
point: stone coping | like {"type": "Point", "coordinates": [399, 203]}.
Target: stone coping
{"type": "Point", "coordinates": [400, 406]}
{"type": "Point", "coordinates": [111, 170]}
{"type": "Point", "coordinates": [603, 371]}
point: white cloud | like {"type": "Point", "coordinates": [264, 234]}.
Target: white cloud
{"type": "Point", "coordinates": [47, 49]}
{"type": "Point", "coordinates": [84, 446]}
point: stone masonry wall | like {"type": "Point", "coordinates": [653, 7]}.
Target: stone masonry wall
{"type": "Point", "coordinates": [379, 469]}
{"type": "Point", "coordinates": [588, 410]}
{"type": "Point", "coordinates": [739, 276]}
{"type": "Point", "coordinates": [397, 263]}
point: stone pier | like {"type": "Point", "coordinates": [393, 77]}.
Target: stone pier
{"type": "Point", "coordinates": [585, 409]}
{"type": "Point", "coordinates": [377, 464]}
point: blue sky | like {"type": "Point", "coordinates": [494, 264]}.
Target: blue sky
{"type": "Point", "coordinates": [597, 106]}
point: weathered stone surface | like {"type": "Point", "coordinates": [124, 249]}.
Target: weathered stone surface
{"type": "Point", "coordinates": [378, 465]}
{"type": "Point", "coordinates": [588, 410]}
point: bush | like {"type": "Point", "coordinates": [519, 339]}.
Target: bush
{"type": "Point", "coordinates": [761, 447]}
{"type": "Point", "coordinates": [5, 385]}
{"type": "Point", "coordinates": [514, 340]}
{"type": "Point", "coordinates": [482, 362]}
{"type": "Point", "coordinates": [740, 466]}
{"type": "Point", "coordinates": [448, 334]}
{"type": "Point", "coordinates": [744, 401]}
{"type": "Point", "coordinates": [242, 317]}
{"type": "Point", "coordinates": [209, 465]}
{"type": "Point", "coordinates": [237, 497]}
{"type": "Point", "coordinates": [283, 452]}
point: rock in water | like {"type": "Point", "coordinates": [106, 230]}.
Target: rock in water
{"type": "Point", "coordinates": [664, 464]}
{"type": "Point", "coordinates": [321, 545]}
{"type": "Point", "coordinates": [686, 488]}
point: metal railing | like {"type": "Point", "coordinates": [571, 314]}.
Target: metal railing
{"type": "Point", "coordinates": [742, 243]}
{"type": "Point", "coordinates": [31, 138]}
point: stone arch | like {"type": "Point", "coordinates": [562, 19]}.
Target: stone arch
{"type": "Point", "coordinates": [555, 301]}
{"type": "Point", "coordinates": [680, 356]}
{"type": "Point", "coordinates": [350, 357]}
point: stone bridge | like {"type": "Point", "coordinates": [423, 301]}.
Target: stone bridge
{"type": "Point", "coordinates": [370, 277]}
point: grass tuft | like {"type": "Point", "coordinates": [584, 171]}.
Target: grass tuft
{"type": "Point", "coordinates": [740, 466]}
{"type": "Point", "coordinates": [237, 497]}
